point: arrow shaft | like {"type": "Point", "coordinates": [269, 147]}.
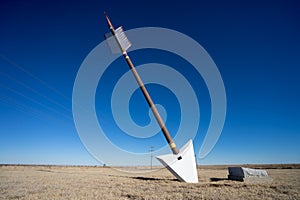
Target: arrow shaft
{"type": "Point", "coordinates": [145, 92]}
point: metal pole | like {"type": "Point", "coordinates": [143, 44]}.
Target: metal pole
{"type": "Point", "coordinates": [151, 155]}
{"type": "Point", "coordinates": [144, 91]}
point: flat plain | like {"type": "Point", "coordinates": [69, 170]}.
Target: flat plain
{"type": "Point", "coordinates": [82, 182]}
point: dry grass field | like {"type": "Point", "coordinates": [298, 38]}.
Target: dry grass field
{"type": "Point", "coordinates": [58, 182]}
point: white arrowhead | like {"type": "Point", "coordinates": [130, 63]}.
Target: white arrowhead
{"type": "Point", "coordinates": [182, 165]}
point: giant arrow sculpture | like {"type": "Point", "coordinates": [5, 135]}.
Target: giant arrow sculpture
{"type": "Point", "coordinates": [182, 162]}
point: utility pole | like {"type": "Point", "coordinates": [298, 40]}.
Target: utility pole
{"type": "Point", "coordinates": [151, 155]}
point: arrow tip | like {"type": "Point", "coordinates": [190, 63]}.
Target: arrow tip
{"type": "Point", "coordinates": [108, 20]}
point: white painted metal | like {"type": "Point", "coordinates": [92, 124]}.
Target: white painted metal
{"type": "Point", "coordinates": [183, 165]}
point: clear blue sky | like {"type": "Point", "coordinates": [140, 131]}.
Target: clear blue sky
{"type": "Point", "coordinates": [256, 46]}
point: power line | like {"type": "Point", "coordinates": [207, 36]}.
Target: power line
{"type": "Point", "coordinates": [36, 92]}
{"type": "Point", "coordinates": [32, 75]}
{"type": "Point", "coordinates": [36, 102]}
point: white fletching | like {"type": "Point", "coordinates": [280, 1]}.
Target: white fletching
{"type": "Point", "coordinates": [121, 37]}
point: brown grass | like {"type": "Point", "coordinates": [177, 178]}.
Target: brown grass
{"type": "Point", "coordinates": [58, 182]}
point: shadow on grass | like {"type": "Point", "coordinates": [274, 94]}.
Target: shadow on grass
{"type": "Point", "coordinates": [218, 179]}
{"type": "Point", "coordinates": [146, 178]}
{"type": "Point", "coordinates": [154, 179]}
